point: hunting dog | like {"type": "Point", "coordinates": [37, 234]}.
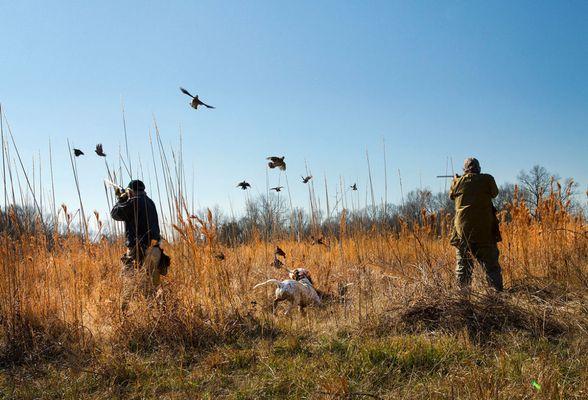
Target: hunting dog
{"type": "Point", "coordinates": [297, 290]}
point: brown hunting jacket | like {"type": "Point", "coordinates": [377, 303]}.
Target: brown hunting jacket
{"type": "Point", "coordinates": [475, 215]}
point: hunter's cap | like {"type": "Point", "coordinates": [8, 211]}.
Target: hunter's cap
{"type": "Point", "coordinates": [471, 165]}
{"type": "Point", "coordinates": [136, 185]}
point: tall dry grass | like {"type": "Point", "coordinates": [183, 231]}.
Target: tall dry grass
{"type": "Point", "coordinates": [63, 299]}
{"type": "Point", "coordinates": [60, 295]}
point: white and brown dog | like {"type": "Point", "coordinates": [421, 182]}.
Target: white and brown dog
{"type": "Point", "coordinates": [297, 290]}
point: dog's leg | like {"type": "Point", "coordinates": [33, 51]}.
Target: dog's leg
{"type": "Point", "coordinates": [275, 306]}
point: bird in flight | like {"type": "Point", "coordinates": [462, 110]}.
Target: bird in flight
{"type": "Point", "coordinates": [354, 186]}
{"type": "Point", "coordinates": [276, 162]}
{"type": "Point", "coordinates": [99, 150]}
{"type": "Point", "coordinates": [195, 100]}
{"type": "Point", "coordinates": [277, 263]}
{"type": "Point", "coordinates": [277, 188]}
{"type": "Point", "coordinates": [78, 152]}
{"type": "Point", "coordinates": [318, 241]}
{"type": "Point", "coordinates": [305, 179]}
{"type": "Point", "coordinates": [280, 252]}
{"type": "Point", "coordinates": [243, 185]}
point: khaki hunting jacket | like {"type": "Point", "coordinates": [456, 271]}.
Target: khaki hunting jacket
{"type": "Point", "coordinates": [475, 219]}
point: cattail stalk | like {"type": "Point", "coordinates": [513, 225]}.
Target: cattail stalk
{"type": "Point", "coordinates": [75, 173]}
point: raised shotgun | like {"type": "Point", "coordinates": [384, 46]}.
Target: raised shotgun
{"type": "Point", "coordinates": [118, 190]}
{"type": "Point", "coordinates": [448, 176]}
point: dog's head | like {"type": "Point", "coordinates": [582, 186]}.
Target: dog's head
{"type": "Point", "coordinates": [299, 274]}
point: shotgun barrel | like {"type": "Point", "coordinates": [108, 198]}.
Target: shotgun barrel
{"type": "Point", "coordinates": [448, 176]}
{"type": "Point", "coordinates": [118, 190]}
{"type": "Point", "coordinates": [114, 185]}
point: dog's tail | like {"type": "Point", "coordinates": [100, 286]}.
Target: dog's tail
{"type": "Point", "coordinates": [274, 281]}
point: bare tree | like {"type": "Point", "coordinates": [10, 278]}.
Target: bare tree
{"type": "Point", "coordinates": [534, 184]}
{"type": "Point", "coordinates": [267, 214]}
{"type": "Point", "coordinates": [417, 201]}
{"type": "Point", "coordinates": [24, 221]}
{"type": "Point", "coordinates": [442, 204]}
{"type": "Point", "coordinates": [505, 196]}
{"type": "Point", "coordinates": [232, 233]}
{"type": "Point", "coordinates": [538, 182]}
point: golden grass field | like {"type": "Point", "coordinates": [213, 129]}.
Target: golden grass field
{"type": "Point", "coordinates": [403, 331]}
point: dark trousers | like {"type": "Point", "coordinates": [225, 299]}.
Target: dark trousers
{"type": "Point", "coordinates": [486, 255]}
{"type": "Point", "coordinates": [133, 258]}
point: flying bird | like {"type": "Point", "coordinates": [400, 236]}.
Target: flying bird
{"type": "Point", "coordinates": [319, 240]}
{"type": "Point", "coordinates": [354, 186]}
{"type": "Point", "coordinates": [306, 179]}
{"type": "Point", "coordinates": [276, 162]}
{"type": "Point", "coordinates": [280, 252]}
{"type": "Point", "coordinates": [78, 152]}
{"type": "Point", "coordinates": [277, 263]}
{"type": "Point", "coordinates": [277, 188]}
{"type": "Point", "coordinates": [195, 100]}
{"type": "Point", "coordinates": [99, 150]}
{"type": "Point", "coordinates": [243, 185]}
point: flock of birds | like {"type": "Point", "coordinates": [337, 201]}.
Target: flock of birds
{"type": "Point", "coordinates": [278, 162]}
{"type": "Point", "coordinates": [273, 161]}
{"type": "Point", "coordinates": [99, 150]}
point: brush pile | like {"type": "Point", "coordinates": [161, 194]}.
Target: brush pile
{"type": "Point", "coordinates": [531, 312]}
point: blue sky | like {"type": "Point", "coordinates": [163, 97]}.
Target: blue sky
{"type": "Point", "coordinates": [317, 81]}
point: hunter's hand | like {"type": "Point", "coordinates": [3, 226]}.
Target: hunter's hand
{"type": "Point", "coordinates": [123, 197]}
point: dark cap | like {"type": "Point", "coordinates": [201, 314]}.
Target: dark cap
{"type": "Point", "coordinates": [136, 185]}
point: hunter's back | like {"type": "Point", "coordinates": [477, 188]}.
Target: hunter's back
{"type": "Point", "coordinates": [474, 216]}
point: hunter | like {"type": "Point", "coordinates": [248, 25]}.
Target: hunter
{"type": "Point", "coordinates": [141, 260]}
{"type": "Point", "coordinates": [475, 229]}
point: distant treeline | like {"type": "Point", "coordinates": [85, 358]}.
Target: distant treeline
{"type": "Point", "coordinates": [269, 217]}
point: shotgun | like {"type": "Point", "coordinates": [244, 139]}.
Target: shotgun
{"type": "Point", "coordinates": [448, 176]}
{"type": "Point", "coordinates": [119, 191]}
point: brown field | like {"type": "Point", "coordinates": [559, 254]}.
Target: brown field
{"type": "Point", "coordinates": [403, 331]}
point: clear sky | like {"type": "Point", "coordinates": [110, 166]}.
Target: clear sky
{"type": "Point", "coordinates": [316, 81]}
